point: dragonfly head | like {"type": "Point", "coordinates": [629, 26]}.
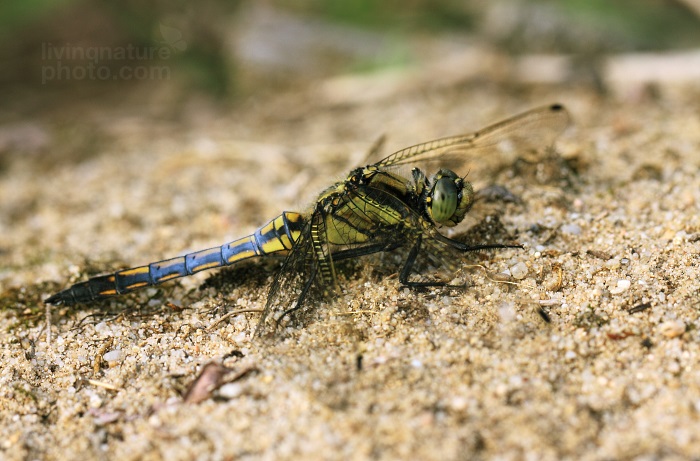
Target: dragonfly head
{"type": "Point", "coordinates": [449, 198]}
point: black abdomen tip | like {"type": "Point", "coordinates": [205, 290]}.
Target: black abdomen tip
{"type": "Point", "coordinates": [63, 298]}
{"type": "Point", "coordinates": [55, 300]}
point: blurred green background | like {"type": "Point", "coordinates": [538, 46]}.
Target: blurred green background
{"type": "Point", "coordinates": [228, 49]}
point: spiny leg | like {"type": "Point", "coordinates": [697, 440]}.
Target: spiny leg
{"type": "Point", "coordinates": [384, 245]}
{"type": "Point", "coordinates": [408, 266]}
{"type": "Point", "coordinates": [464, 248]}
{"type": "Point", "coordinates": [366, 250]}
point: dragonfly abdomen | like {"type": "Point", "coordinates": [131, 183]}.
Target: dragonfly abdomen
{"type": "Point", "coordinates": [274, 238]}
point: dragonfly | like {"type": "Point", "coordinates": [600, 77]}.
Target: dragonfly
{"type": "Point", "coordinates": [380, 207]}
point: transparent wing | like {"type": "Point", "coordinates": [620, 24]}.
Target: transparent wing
{"type": "Point", "coordinates": [292, 285]}
{"type": "Point", "coordinates": [523, 134]}
{"type": "Point", "coordinates": [323, 261]}
{"type": "Point", "coordinates": [306, 275]}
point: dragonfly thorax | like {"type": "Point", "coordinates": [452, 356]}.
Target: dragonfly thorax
{"type": "Point", "coordinates": [448, 197]}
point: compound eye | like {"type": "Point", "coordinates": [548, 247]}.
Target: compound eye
{"type": "Point", "coordinates": [445, 200]}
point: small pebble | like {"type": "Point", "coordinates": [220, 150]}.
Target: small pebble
{"type": "Point", "coordinates": [102, 419]}
{"type": "Point", "coordinates": [622, 286]}
{"type": "Point", "coordinates": [518, 271]}
{"type": "Point", "coordinates": [573, 229]}
{"type": "Point", "coordinates": [613, 263]}
{"type": "Point", "coordinates": [113, 356]}
{"type": "Point", "coordinates": [459, 403]}
{"type": "Point", "coordinates": [95, 400]}
{"type": "Point", "coordinates": [231, 390]}
{"type": "Point", "coordinates": [672, 328]}
{"type": "Point", "coordinates": [103, 328]}
{"type": "Point", "coordinates": [507, 312]}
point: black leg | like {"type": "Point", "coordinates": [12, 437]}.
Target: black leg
{"type": "Point", "coordinates": [345, 254]}
{"type": "Point", "coordinates": [408, 265]}
{"type": "Point", "coordinates": [365, 250]}
{"type": "Point", "coordinates": [413, 254]}
{"type": "Point", "coordinates": [467, 248]}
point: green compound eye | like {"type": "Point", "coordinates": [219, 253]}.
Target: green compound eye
{"type": "Point", "coordinates": [445, 200]}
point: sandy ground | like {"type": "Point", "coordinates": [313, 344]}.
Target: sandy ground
{"type": "Point", "coordinates": [612, 248]}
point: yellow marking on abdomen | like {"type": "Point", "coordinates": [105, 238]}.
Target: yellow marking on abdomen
{"type": "Point", "coordinates": [241, 256]}
{"type": "Point", "coordinates": [135, 271]}
{"type": "Point", "coordinates": [267, 228]}
{"type": "Point", "coordinates": [134, 286]}
{"type": "Point", "coordinates": [241, 249]}
{"type": "Point", "coordinates": [274, 246]}
{"type": "Point", "coordinates": [202, 260]}
{"type": "Point", "coordinates": [168, 277]}
{"type": "Point", "coordinates": [205, 267]}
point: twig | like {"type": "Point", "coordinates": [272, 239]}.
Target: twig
{"type": "Point", "coordinates": [231, 314]}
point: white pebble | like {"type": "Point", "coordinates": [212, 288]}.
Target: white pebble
{"type": "Point", "coordinates": [460, 403]}
{"type": "Point", "coordinates": [507, 312]}
{"type": "Point", "coordinates": [622, 286]}
{"type": "Point", "coordinates": [113, 356]}
{"type": "Point", "coordinates": [231, 390]}
{"type": "Point", "coordinates": [95, 400]}
{"type": "Point", "coordinates": [573, 229]}
{"type": "Point", "coordinates": [519, 271]}
{"type": "Point", "coordinates": [103, 328]}
{"type": "Point", "coordinates": [612, 264]}
{"type": "Point", "coordinates": [672, 328]}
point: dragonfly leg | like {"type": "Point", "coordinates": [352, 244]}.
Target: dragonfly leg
{"type": "Point", "coordinates": [408, 265]}
{"type": "Point", "coordinates": [365, 250]}
{"type": "Point", "coordinates": [467, 248]}
{"type": "Point", "coordinates": [338, 256]}
{"type": "Point", "coordinates": [413, 254]}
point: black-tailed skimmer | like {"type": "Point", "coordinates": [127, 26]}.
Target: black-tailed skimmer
{"type": "Point", "coordinates": [379, 207]}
